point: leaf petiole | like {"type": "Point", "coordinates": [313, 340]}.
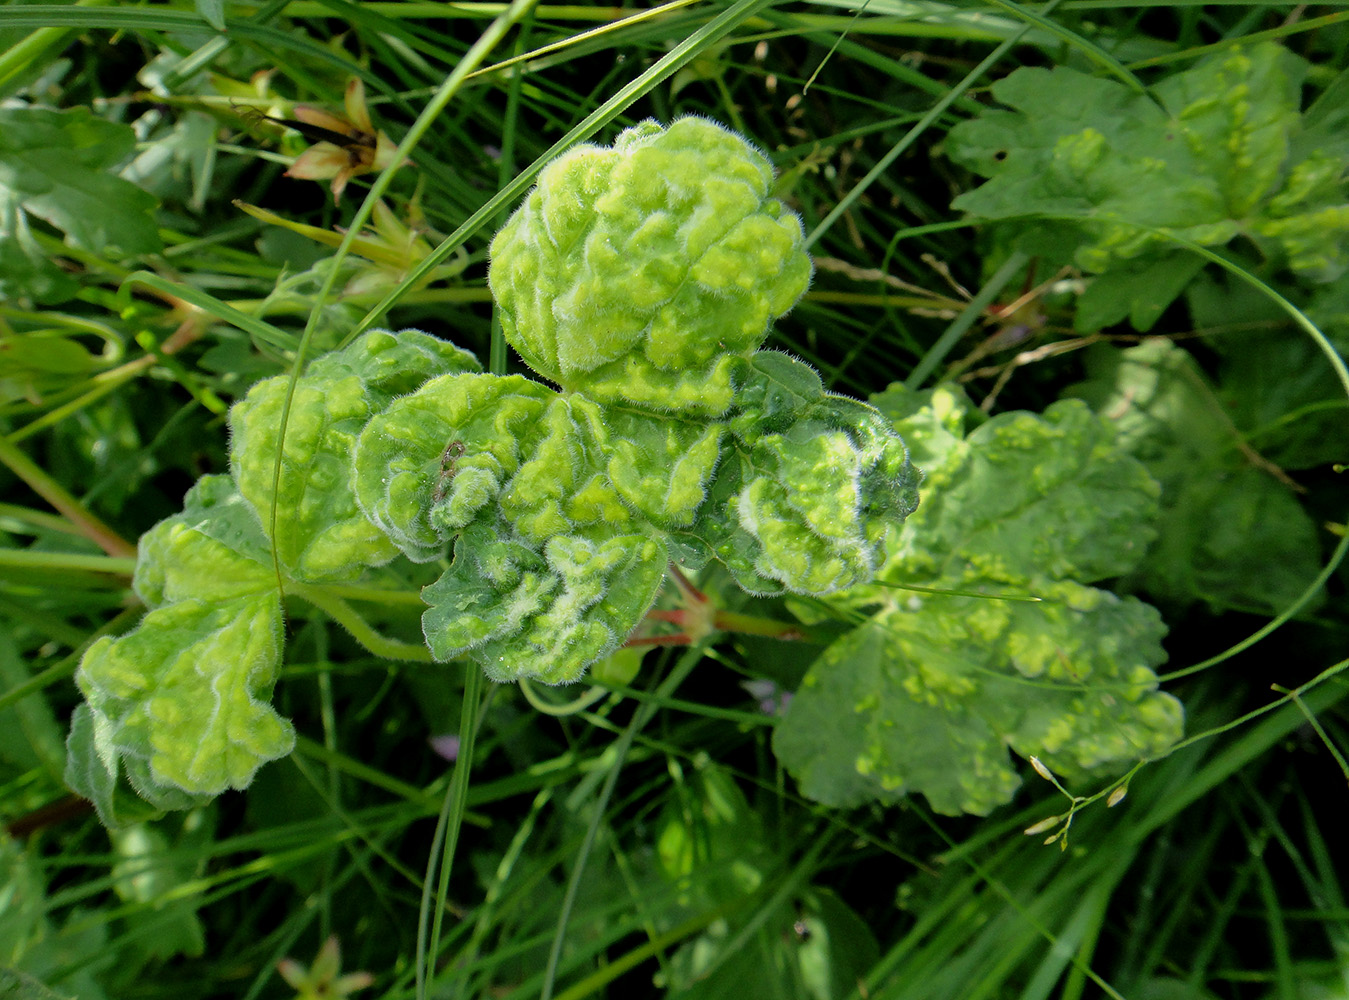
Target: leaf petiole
{"type": "Point", "coordinates": [361, 630]}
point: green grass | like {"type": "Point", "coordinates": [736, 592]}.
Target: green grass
{"type": "Point", "coordinates": [647, 844]}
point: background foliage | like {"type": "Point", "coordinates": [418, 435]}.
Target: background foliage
{"type": "Point", "coordinates": [1019, 215]}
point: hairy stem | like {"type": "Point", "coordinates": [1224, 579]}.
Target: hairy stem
{"type": "Point", "coordinates": [342, 613]}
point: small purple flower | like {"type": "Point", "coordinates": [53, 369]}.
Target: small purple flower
{"type": "Point", "coordinates": [447, 745]}
{"type": "Point", "coordinates": [773, 698]}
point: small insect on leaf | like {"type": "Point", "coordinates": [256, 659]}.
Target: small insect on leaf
{"type": "Point", "coordinates": [448, 458]}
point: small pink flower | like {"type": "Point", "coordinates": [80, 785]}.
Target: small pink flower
{"type": "Point", "coordinates": [361, 149]}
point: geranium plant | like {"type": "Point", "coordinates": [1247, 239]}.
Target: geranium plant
{"type": "Point", "coordinates": [639, 279]}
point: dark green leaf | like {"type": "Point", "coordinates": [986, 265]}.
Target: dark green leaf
{"type": "Point", "coordinates": [1004, 647]}
{"type": "Point", "coordinates": [1230, 534]}
{"type": "Point", "coordinates": [54, 165]}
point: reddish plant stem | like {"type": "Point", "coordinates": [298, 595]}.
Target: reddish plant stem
{"type": "Point", "coordinates": [672, 639]}
{"type": "Point", "coordinates": [674, 616]}
{"type": "Point", "coordinates": [697, 619]}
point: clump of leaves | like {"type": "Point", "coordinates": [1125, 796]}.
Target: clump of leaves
{"type": "Point", "coordinates": [641, 279]}
{"type": "Point", "coordinates": [983, 631]}
{"type": "Point", "coordinates": [1210, 154]}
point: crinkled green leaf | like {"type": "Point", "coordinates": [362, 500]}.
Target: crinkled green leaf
{"type": "Point", "coordinates": [934, 423]}
{"type": "Point", "coordinates": [1037, 494]}
{"type": "Point", "coordinates": [1198, 155]}
{"type": "Point", "coordinates": [434, 459]}
{"type": "Point", "coordinates": [930, 693]}
{"type": "Point", "coordinates": [551, 570]}
{"type": "Point", "coordinates": [177, 707]}
{"type": "Point", "coordinates": [775, 392]}
{"type": "Point", "coordinates": [563, 486]}
{"type": "Point", "coordinates": [543, 613]}
{"type": "Point", "coordinates": [321, 531]}
{"type": "Point", "coordinates": [808, 487]}
{"type": "Point", "coordinates": [394, 364]}
{"type": "Point", "coordinates": [647, 271]}
{"type": "Point", "coordinates": [927, 697]}
{"type": "Point", "coordinates": [117, 803]}
{"type": "Point", "coordinates": [181, 703]}
{"type": "Point", "coordinates": [213, 550]}
{"type": "Point", "coordinates": [797, 489]}
{"type": "Point", "coordinates": [55, 166]}
{"type": "Point", "coordinates": [661, 467]}
{"type": "Point", "coordinates": [1231, 535]}
{"type": "Point", "coordinates": [1209, 155]}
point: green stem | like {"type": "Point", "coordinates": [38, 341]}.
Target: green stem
{"type": "Point", "coordinates": [722, 621]}
{"type": "Point", "coordinates": [55, 494]}
{"type": "Point", "coordinates": [37, 518]}
{"type": "Point", "coordinates": [568, 708]}
{"type": "Point", "coordinates": [448, 824]}
{"type": "Point", "coordinates": [342, 613]}
{"type": "Point", "coordinates": [70, 562]}
{"type": "Point", "coordinates": [731, 621]}
{"type": "Point", "coordinates": [376, 595]}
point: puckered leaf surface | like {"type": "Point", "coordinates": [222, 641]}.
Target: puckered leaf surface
{"type": "Point", "coordinates": [646, 272]}
{"type": "Point", "coordinates": [808, 486]}
{"type": "Point", "coordinates": [181, 703]}
{"type": "Point", "coordinates": [322, 533]}
{"type": "Point", "coordinates": [541, 612]}
{"type": "Point", "coordinates": [928, 695]}
{"type": "Point", "coordinates": [564, 508]}
{"type": "Point", "coordinates": [563, 487]}
{"type": "Point", "coordinates": [214, 550]}
{"type": "Point", "coordinates": [662, 466]}
{"type": "Point", "coordinates": [551, 571]}
{"type": "Point", "coordinates": [1211, 154]}
{"type": "Point", "coordinates": [178, 706]}
{"type": "Point", "coordinates": [434, 459]}
{"type": "Point", "coordinates": [1050, 494]}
